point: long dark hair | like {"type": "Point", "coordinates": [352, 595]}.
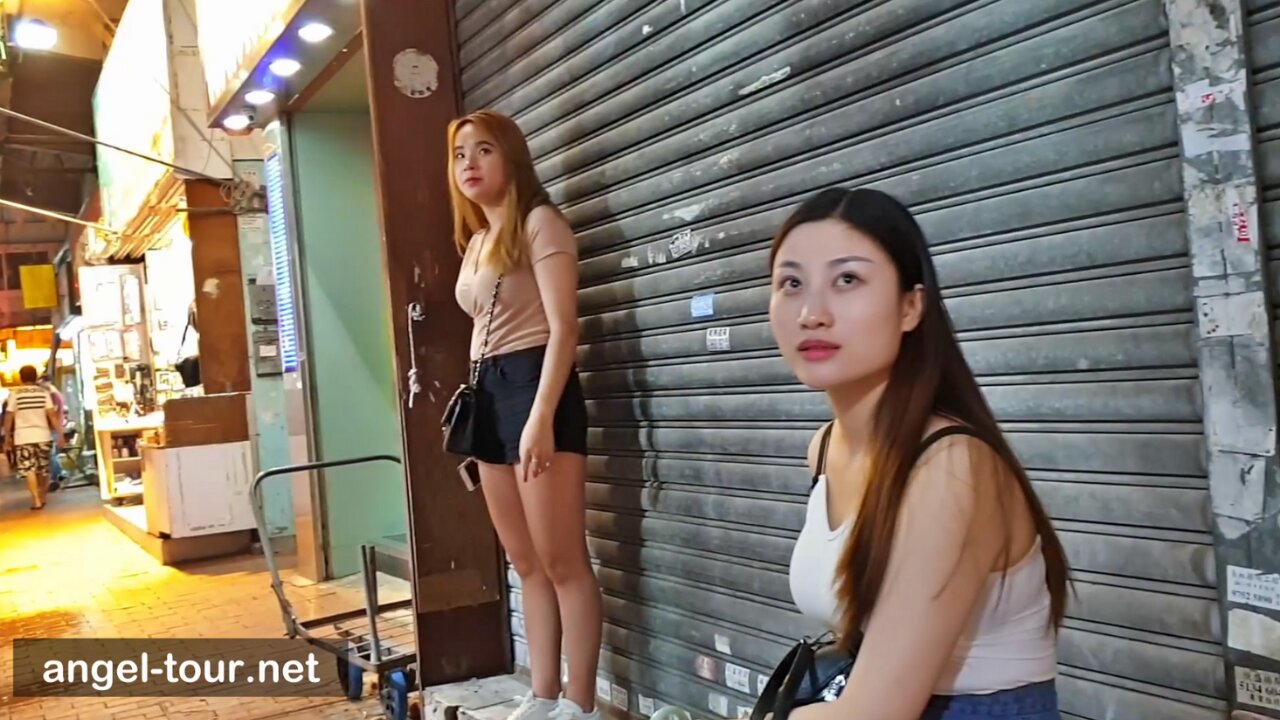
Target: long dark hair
{"type": "Point", "coordinates": [929, 377]}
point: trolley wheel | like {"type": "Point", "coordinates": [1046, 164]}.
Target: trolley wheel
{"type": "Point", "coordinates": [351, 678]}
{"type": "Point", "coordinates": [395, 695]}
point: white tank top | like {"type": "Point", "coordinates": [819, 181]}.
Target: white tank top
{"type": "Point", "coordinates": [1008, 642]}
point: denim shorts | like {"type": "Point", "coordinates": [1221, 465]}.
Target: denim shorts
{"type": "Point", "coordinates": [506, 389]}
{"type": "Point", "coordinates": [1029, 702]}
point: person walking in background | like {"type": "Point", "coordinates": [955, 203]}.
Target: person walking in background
{"type": "Point", "coordinates": [4, 434]}
{"type": "Point", "coordinates": [56, 475]}
{"type": "Point", "coordinates": [924, 545]}
{"type": "Point", "coordinates": [32, 428]}
{"type": "Point", "coordinates": [519, 283]}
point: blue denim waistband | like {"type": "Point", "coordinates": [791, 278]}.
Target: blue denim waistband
{"type": "Point", "coordinates": [1029, 702]}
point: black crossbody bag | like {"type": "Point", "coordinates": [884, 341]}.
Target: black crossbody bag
{"type": "Point", "coordinates": [815, 671]}
{"type": "Point", "coordinates": [458, 424]}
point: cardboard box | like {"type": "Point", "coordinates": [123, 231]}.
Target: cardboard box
{"type": "Point", "coordinates": [207, 420]}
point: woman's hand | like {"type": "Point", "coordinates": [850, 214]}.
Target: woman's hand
{"type": "Point", "coordinates": [537, 446]}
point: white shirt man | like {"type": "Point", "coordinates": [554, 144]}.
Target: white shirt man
{"type": "Point", "coordinates": [32, 425]}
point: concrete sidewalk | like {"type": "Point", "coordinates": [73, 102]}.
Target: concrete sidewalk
{"type": "Point", "coordinates": [65, 572]}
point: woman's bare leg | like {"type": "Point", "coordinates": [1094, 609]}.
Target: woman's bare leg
{"type": "Point", "coordinates": [541, 610]}
{"type": "Point", "coordinates": [555, 506]}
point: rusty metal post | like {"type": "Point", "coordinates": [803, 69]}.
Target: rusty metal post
{"type": "Point", "coordinates": [1233, 339]}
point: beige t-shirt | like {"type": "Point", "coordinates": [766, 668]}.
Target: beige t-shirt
{"type": "Point", "coordinates": [519, 320]}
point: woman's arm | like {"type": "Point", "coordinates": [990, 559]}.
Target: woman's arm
{"type": "Point", "coordinates": [949, 536]}
{"type": "Point", "coordinates": [55, 426]}
{"type": "Point", "coordinates": [554, 254]}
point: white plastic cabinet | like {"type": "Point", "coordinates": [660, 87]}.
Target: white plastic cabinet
{"type": "Point", "coordinates": [197, 490]}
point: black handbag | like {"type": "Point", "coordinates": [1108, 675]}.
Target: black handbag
{"type": "Point", "coordinates": [189, 366]}
{"type": "Point", "coordinates": [458, 425]}
{"type": "Point", "coordinates": [813, 671]}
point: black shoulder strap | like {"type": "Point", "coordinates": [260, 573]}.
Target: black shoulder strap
{"type": "Point", "coordinates": [182, 343]}
{"type": "Point", "coordinates": [945, 432]}
{"type": "Point", "coordinates": [928, 442]}
{"type": "Point", "coordinates": [822, 454]}
{"type": "Point", "coordinates": [768, 701]}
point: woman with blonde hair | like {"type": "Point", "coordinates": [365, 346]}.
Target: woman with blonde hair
{"type": "Point", "coordinates": [519, 283]}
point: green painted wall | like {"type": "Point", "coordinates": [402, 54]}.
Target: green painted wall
{"type": "Point", "coordinates": [270, 429]}
{"type": "Point", "coordinates": [349, 331]}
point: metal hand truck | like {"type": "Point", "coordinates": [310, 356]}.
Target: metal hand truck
{"type": "Point", "coordinates": [378, 639]}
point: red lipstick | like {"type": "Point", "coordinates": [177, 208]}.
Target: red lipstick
{"type": "Point", "coordinates": [818, 350]}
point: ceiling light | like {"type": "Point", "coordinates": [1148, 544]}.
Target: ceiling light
{"type": "Point", "coordinates": [315, 32]}
{"type": "Point", "coordinates": [259, 97]}
{"type": "Point", "coordinates": [236, 122]}
{"type": "Point", "coordinates": [35, 35]}
{"type": "Point", "coordinates": [285, 67]}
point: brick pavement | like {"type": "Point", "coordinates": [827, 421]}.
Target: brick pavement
{"type": "Point", "coordinates": [66, 572]}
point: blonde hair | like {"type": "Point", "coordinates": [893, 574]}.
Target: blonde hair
{"type": "Point", "coordinates": [524, 192]}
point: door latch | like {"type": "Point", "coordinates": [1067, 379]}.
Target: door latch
{"type": "Point", "coordinates": [416, 315]}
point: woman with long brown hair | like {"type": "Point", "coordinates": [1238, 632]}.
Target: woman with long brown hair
{"type": "Point", "coordinates": [519, 282]}
{"type": "Point", "coordinates": [924, 544]}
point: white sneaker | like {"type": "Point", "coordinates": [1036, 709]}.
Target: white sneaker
{"type": "Point", "coordinates": [534, 708]}
{"type": "Point", "coordinates": [570, 710]}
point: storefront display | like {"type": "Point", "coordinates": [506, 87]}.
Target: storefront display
{"type": "Point", "coordinates": [173, 464]}
{"type": "Point", "coordinates": [118, 379]}
{"type": "Point", "coordinates": [141, 298]}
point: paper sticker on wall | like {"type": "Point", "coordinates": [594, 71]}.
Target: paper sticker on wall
{"type": "Point", "coordinates": [761, 681]}
{"type": "Point", "coordinates": [646, 705]}
{"type": "Point", "coordinates": [722, 644]}
{"type": "Point", "coordinates": [738, 678]}
{"type": "Point", "coordinates": [708, 669]}
{"type": "Point", "coordinates": [211, 287]}
{"type": "Point", "coordinates": [619, 697]}
{"type": "Point", "coordinates": [1240, 222]}
{"type": "Point", "coordinates": [719, 704]}
{"type": "Point", "coordinates": [682, 244]}
{"type": "Point", "coordinates": [1246, 586]}
{"type": "Point", "coordinates": [703, 305]}
{"type": "Point", "coordinates": [415, 73]}
{"type": "Point", "coordinates": [603, 688]}
{"type": "Point", "coordinates": [1258, 688]}
{"type": "Point", "coordinates": [718, 339]}
{"type": "Point", "coordinates": [744, 712]}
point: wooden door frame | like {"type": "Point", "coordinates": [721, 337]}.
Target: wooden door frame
{"type": "Point", "coordinates": [459, 594]}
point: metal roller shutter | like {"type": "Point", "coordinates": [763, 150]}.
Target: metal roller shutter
{"type": "Point", "coordinates": [1036, 139]}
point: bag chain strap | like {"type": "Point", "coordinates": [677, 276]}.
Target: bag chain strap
{"type": "Point", "coordinates": [484, 347]}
